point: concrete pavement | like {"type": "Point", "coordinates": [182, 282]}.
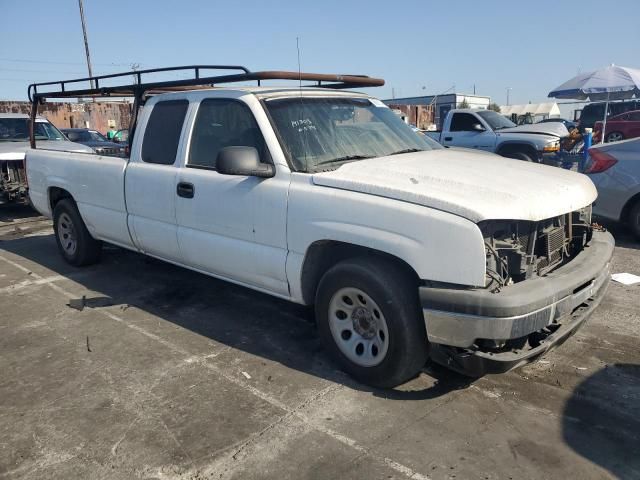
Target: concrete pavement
{"type": "Point", "coordinates": [168, 374]}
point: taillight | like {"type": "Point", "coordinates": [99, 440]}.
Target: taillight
{"type": "Point", "coordinates": [600, 161]}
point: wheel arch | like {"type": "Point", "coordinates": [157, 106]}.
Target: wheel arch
{"type": "Point", "coordinates": [518, 146]}
{"type": "Point", "coordinates": [622, 135]}
{"type": "Point", "coordinates": [626, 210]}
{"type": "Point", "coordinates": [324, 254]}
{"type": "Point", "coordinates": [55, 194]}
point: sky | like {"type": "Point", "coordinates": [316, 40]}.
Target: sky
{"type": "Point", "coordinates": [418, 47]}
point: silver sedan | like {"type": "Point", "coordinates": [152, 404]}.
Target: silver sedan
{"type": "Point", "coordinates": [615, 171]}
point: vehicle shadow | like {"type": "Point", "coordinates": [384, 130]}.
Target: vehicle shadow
{"type": "Point", "coordinates": [232, 315]}
{"type": "Point", "coordinates": [601, 420]}
{"type": "Point", "coordinates": [14, 211]}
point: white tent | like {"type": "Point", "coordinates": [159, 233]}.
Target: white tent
{"type": "Point", "coordinates": [541, 110]}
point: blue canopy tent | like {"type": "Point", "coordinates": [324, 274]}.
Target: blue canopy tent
{"type": "Point", "coordinates": [610, 83]}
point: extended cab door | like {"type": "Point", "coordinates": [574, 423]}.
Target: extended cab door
{"type": "Point", "coordinates": [467, 130]}
{"type": "Point", "coordinates": [232, 226]}
{"type": "Point", "coordinates": [150, 178]}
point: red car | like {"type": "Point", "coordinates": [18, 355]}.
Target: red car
{"type": "Point", "coordinates": [619, 127]}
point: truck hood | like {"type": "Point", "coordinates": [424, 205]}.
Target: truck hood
{"type": "Point", "coordinates": [556, 129]}
{"type": "Point", "coordinates": [17, 150]}
{"type": "Point", "coordinates": [475, 186]}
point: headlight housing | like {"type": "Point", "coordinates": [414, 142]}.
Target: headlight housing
{"type": "Point", "coordinates": [552, 146]}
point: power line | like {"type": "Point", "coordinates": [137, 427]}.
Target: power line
{"type": "Point", "coordinates": [86, 43]}
{"type": "Point", "coordinates": [51, 62]}
{"type": "Point", "coordinates": [27, 70]}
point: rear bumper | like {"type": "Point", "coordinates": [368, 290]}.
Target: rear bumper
{"type": "Point", "coordinates": [541, 313]}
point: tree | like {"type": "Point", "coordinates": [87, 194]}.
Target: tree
{"type": "Point", "coordinates": [463, 103]}
{"type": "Point", "coordinates": [494, 106]}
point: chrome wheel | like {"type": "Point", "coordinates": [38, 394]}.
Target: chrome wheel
{"type": "Point", "coordinates": [358, 327]}
{"type": "Point", "coordinates": [67, 235]}
{"type": "Point", "coordinates": [614, 137]}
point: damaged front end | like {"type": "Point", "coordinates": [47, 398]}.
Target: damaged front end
{"type": "Point", "coordinates": [13, 181]}
{"type": "Point", "coordinates": [543, 280]}
{"type": "Point", "coordinates": [518, 250]}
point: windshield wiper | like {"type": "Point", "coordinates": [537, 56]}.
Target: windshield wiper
{"type": "Point", "coordinates": [345, 159]}
{"type": "Point", "coordinates": [406, 150]}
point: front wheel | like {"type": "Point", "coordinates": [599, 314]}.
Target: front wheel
{"type": "Point", "coordinates": [75, 243]}
{"type": "Point", "coordinates": [614, 137]}
{"type": "Point", "coordinates": [370, 321]}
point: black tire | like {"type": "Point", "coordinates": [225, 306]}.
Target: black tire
{"type": "Point", "coordinates": [67, 218]}
{"type": "Point", "coordinates": [634, 219]}
{"type": "Point", "coordinates": [525, 157]}
{"type": "Point", "coordinates": [396, 293]}
{"type": "Point", "coordinates": [614, 137]}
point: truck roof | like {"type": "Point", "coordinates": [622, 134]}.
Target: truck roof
{"type": "Point", "coordinates": [270, 92]}
{"type": "Point", "coordinates": [468, 110]}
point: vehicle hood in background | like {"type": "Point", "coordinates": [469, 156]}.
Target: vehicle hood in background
{"type": "Point", "coordinates": [477, 187]}
{"type": "Point", "coordinates": [556, 129]}
{"type": "Point", "coordinates": [16, 150]}
{"type": "Point", "coordinates": [103, 145]}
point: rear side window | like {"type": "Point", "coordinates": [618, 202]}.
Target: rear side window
{"type": "Point", "coordinates": [162, 135]}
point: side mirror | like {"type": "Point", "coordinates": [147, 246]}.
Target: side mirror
{"type": "Point", "coordinates": [243, 161]}
{"type": "Point", "coordinates": [477, 127]}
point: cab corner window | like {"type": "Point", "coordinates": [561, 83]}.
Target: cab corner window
{"type": "Point", "coordinates": [162, 134]}
{"type": "Point", "coordinates": [223, 123]}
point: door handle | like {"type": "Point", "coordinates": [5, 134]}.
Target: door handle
{"type": "Point", "coordinates": [448, 139]}
{"type": "Point", "coordinates": [185, 190]}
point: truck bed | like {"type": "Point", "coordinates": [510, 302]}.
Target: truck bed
{"type": "Point", "coordinates": [95, 182]}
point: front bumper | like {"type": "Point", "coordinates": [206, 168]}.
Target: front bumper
{"type": "Point", "coordinates": [541, 313]}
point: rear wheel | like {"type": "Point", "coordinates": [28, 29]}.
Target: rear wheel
{"type": "Point", "coordinates": [370, 321]}
{"type": "Point", "coordinates": [634, 219]}
{"type": "Point", "coordinates": [614, 137]}
{"type": "Point", "coordinates": [75, 243]}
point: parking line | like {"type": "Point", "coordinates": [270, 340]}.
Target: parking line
{"type": "Point", "coordinates": [398, 467]}
{"type": "Point", "coordinates": [28, 283]}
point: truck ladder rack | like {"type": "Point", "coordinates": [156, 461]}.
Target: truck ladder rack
{"type": "Point", "coordinates": [69, 88]}
{"type": "Point", "coordinates": [139, 88]}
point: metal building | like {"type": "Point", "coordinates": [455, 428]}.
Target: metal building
{"type": "Point", "coordinates": [443, 103]}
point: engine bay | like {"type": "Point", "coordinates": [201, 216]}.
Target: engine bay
{"type": "Point", "coordinates": [13, 181]}
{"type": "Point", "coordinates": [517, 250]}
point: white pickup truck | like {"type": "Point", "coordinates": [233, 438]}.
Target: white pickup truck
{"type": "Point", "coordinates": [492, 132]}
{"type": "Point", "coordinates": [407, 250]}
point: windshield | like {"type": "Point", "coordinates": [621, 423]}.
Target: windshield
{"type": "Point", "coordinates": [322, 133]}
{"type": "Point", "coordinates": [96, 136]}
{"type": "Point", "coordinates": [495, 120]}
{"type": "Point", "coordinates": [17, 130]}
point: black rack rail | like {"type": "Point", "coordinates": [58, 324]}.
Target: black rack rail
{"type": "Point", "coordinates": [65, 88]}
{"type": "Point", "coordinates": [140, 89]}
